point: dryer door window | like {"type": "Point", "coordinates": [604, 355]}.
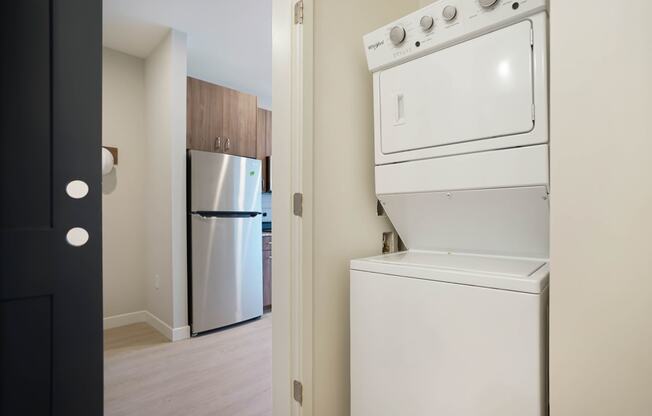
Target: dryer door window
{"type": "Point", "coordinates": [479, 89]}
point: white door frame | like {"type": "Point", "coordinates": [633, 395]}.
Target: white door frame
{"type": "Point", "coordinates": [292, 150]}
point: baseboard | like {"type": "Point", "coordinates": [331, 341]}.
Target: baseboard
{"type": "Point", "coordinates": [125, 319]}
{"type": "Point", "coordinates": [173, 334]}
{"type": "Point", "coordinates": [180, 333]}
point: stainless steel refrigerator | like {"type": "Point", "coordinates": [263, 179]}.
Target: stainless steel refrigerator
{"type": "Point", "coordinates": [225, 236]}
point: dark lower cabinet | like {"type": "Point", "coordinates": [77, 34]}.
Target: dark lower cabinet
{"type": "Point", "coordinates": [267, 272]}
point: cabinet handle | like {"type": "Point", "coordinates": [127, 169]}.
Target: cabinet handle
{"type": "Point", "coordinates": [217, 144]}
{"type": "Point", "coordinates": [227, 144]}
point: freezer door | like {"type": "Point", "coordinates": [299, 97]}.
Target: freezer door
{"type": "Point", "coordinates": [226, 271]}
{"type": "Point", "coordinates": [220, 182]}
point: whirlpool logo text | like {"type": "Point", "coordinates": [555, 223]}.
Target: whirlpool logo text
{"type": "Point", "coordinates": [376, 45]}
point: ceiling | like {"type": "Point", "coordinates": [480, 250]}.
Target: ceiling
{"type": "Point", "coordinates": [229, 41]}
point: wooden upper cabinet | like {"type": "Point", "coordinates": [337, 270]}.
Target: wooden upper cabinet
{"type": "Point", "coordinates": [204, 115]}
{"type": "Point", "coordinates": [264, 145]}
{"type": "Point", "coordinates": [260, 134]}
{"type": "Point", "coordinates": [268, 133]}
{"type": "Point", "coordinates": [220, 119]}
{"type": "Point", "coordinates": [264, 133]}
{"type": "Point", "coordinates": [240, 123]}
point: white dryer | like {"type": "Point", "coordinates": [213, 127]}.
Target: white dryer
{"type": "Point", "coordinates": [474, 82]}
{"type": "Point", "coordinates": [457, 325]}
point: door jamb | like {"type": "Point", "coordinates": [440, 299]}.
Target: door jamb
{"type": "Point", "coordinates": [292, 268]}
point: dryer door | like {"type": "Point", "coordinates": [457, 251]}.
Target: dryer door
{"type": "Point", "coordinates": [479, 89]}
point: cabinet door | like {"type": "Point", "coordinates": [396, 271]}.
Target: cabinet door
{"type": "Point", "coordinates": [204, 115]}
{"type": "Point", "coordinates": [267, 271]}
{"type": "Point", "coordinates": [261, 145]}
{"type": "Point", "coordinates": [239, 118]}
{"type": "Point", "coordinates": [261, 132]}
{"type": "Point", "coordinates": [267, 278]}
{"type": "Point", "coordinates": [268, 133]}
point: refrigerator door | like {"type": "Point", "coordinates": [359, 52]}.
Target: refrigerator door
{"type": "Point", "coordinates": [227, 282]}
{"type": "Point", "coordinates": [224, 183]}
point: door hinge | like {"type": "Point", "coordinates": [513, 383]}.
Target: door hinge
{"type": "Point", "coordinates": [297, 204]}
{"type": "Point", "coordinates": [297, 392]}
{"type": "Point", "coordinates": [298, 12]}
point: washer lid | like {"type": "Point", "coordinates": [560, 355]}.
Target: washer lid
{"type": "Point", "coordinates": [508, 273]}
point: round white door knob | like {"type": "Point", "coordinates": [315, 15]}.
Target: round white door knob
{"type": "Point", "coordinates": [397, 35]}
{"type": "Point", "coordinates": [77, 189]}
{"type": "Point", "coordinates": [449, 13]}
{"type": "Point", "coordinates": [77, 237]}
{"type": "Point", "coordinates": [487, 3]}
{"type": "Point", "coordinates": [427, 22]}
{"type": "Point", "coordinates": [107, 161]}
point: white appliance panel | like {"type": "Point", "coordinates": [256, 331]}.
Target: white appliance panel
{"type": "Point", "coordinates": [510, 221]}
{"type": "Point", "coordinates": [479, 89]}
{"type": "Point", "coordinates": [509, 267]}
{"type": "Point", "coordinates": [516, 274]}
{"type": "Point", "coordinates": [470, 21]}
{"type": "Point", "coordinates": [506, 168]}
{"type": "Point", "coordinates": [423, 347]}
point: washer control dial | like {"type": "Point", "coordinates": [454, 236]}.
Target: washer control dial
{"type": "Point", "coordinates": [427, 22]}
{"type": "Point", "coordinates": [449, 13]}
{"type": "Point", "coordinates": [397, 35]}
{"type": "Point", "coordinates": [487, 3]}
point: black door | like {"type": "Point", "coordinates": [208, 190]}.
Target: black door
{"type": "Point", "coordinates": [50, 127]}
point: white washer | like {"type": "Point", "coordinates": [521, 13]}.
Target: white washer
{"type": "Point", "coordinates": [457, 325]}
{"type": "Point", "coordinates": [446, 334]}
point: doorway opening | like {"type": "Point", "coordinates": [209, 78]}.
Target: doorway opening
{"type": "Point", "coordinates": [187, 207]}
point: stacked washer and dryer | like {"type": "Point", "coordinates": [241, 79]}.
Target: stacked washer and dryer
{"type": "Point", "coordinates": [457, 324]}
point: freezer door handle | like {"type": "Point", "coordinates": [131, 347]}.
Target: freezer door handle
{"type": "Point", "coordinates": [209, 215]}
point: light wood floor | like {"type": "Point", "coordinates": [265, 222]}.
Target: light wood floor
{"type": "Point", "coordinates": [225, 373]}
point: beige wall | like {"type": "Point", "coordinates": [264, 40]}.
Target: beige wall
{"type": "Point", "coordinates": [165, 115]}
{"type": "Point", "coordinates": [345, 221]}
{"type": "Point", "coordinates": [144, 218]}
{"type": "Point", "coordinates": [123, 202]}
{"type": "Point", "coordinates": [601, 207]}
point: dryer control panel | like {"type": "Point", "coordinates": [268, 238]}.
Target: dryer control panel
{"type": "Point", "coordinates": [439, 25]}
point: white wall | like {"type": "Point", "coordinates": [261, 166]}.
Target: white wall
{"type": "Point", "coordinates": [123, 202]}
{"type": "Point", "coordinates": [601, 208]}
{"type": "Point", "coordinates": [165, 103]}
{"type": "Point", "coordinates": [345, 221]}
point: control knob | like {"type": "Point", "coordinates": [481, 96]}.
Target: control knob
{"type": "Point", "coordinates": [487, 3]}
{"type": "Point", "coordinates": [427, 22]}
{"type": "Point", "coordinates": [397, 35]}
{"type": "Point", "coordinates": [449, 13]}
